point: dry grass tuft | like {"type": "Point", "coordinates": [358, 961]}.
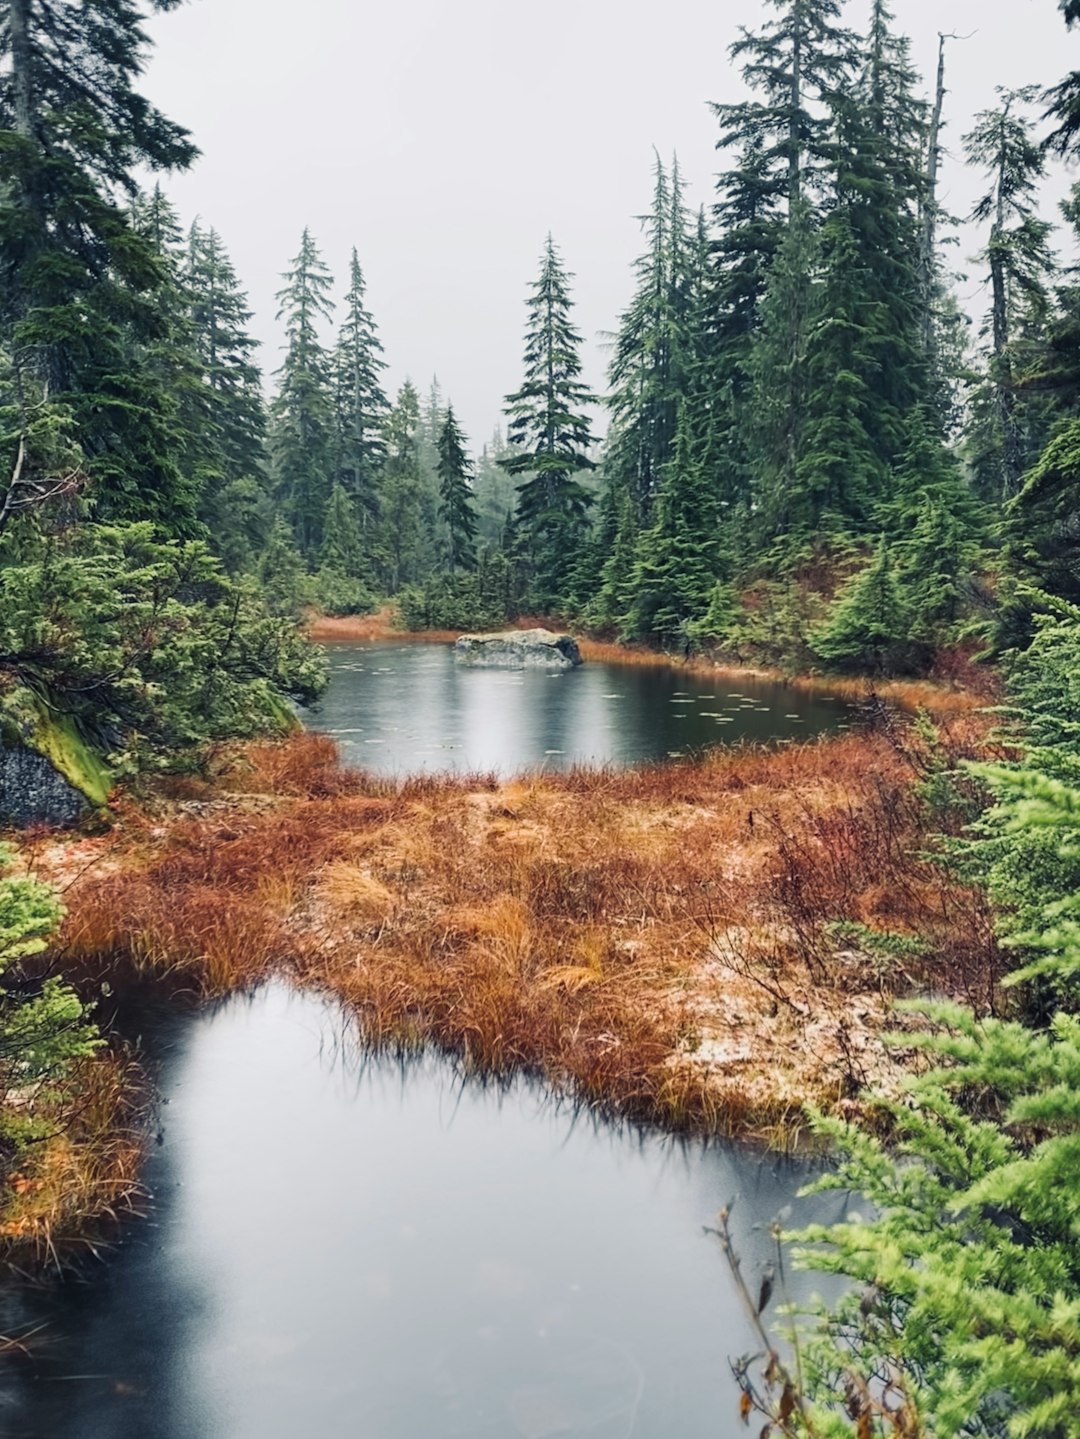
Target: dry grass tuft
{"type": "Point", "coordinates": [658, 941]}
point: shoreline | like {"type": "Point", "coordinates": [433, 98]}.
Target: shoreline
{"type": "Point", "coordinates": [654, 941]}
{"type": "Point", "coordinates": [936, 696]}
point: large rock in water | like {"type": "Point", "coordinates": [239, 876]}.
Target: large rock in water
{"type": "Point", "coordinates": [520, 649]}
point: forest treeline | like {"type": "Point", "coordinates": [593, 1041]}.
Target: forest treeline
{"type": "Point", "coordinates": [811, 455]}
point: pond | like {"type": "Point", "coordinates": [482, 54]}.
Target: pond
{"type": "Point", "coordinates": [403, 708]}
{"type": "Point", "coordinates": [342, 1246]}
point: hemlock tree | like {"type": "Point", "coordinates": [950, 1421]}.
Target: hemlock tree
{"type": "Point", "coordinates": [869, 625]}
{"type": "Point", "coordinates": [236, 504]}
{"type": "Point", "coordinates": [646, 366]}
{"type": "Point", "coordinates": [302, 411]}
{"type": "Point", "coordinates": [360, 404]}
{"type": "Point", "coordinates": [675, 567]}
{"type": "Point", "coordinates": [1019, 262]}
{"type": "Point", "coordinates": [457, 507]}
{"type": "Point", "coordinates": [402, 537]}
{"type": "Point", "coordinates": [78, 284]}
{"type": "Point", "coordinates": [550, 435]}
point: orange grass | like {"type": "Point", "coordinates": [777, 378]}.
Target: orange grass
{"type": "Point", "coordinates": [654, 940]}
{"type": "Point", "coordinates": [84, 1174]}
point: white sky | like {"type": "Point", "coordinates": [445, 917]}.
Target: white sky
{"type": "Point", "coordinates": [444, 138]}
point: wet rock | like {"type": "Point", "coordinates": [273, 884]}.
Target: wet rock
{"type": "Point", "coordinates": [33, 792]}
{"type": "Point", "coordinates": [49, 774]}
{"type": "Point", "coordinates": [519, 649]}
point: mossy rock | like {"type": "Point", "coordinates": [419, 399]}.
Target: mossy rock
{"type": "Point", "coordinates": [49, 772]}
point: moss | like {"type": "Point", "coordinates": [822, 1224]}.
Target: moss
{"type": "Point", "coordinates": [57, 738]}
{"type": "Point", "coordinates": [27, 720]}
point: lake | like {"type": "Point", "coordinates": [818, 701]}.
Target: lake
{"type": "Point", "coordinates": [403, 708]}
{"type": "Point", "coordinates": [341, 1245]}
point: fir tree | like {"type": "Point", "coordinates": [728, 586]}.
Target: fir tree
{"type": "Point", "coordinates": [869, 626]}
{"type": "Point", "coordinates": [342, 549]}
{"type": "Point", "coordinates": [402, 538]}
{"type": "Point", "coordinates": [361, 405]}
{"type": "Point", "coordinates": [1019, 260]}
{"type": "Point", "coordinates": [676, 562]}
{"type": "Point", "coordinates": [302, 411]}
{"type": "Point", "coordinates": [456, 504]}
{"type": "Point", "coordinates": [646, 372]}
{"type": "Point", "coordinates": [236, 503]}
{"type": "Point", "coordinates": [550, 434]}
{"type": "Point", "coordinates": [79, 285]}
{"type": "Point", "coordinates": [220, 316]}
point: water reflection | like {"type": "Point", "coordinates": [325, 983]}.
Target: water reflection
{"type": "Point", "coordinates": [399, 709]}
{"type": "Point", "coordinates": [345, 1246]}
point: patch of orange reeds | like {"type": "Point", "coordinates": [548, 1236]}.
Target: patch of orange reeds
{"type": "Point", "coordinates": [657, 940]}
{"type": "Point", "coordinates": [68, 1188]}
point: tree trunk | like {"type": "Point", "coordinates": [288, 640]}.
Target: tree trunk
{"type": "Point", "coordinates": [930, 207]}
{"type": "Point", "coordinates": [22, 67]}
{"type": "Point", "coordinates": [795, 121]}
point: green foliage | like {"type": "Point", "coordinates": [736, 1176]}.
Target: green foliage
{"type": "Point", "coordinates": [149, 646]}
{"type": "Point", "coordinates": [42, 1025]}
{"type": "Point", "coordinates": [469, 600]}
{"type": "Point", "coordinates": [302, 433]}
{"type": "Point", "coordinates": [869, 627]}
{"type": "Point", "coordinates": [677, 558]}
{"type": "Point", "coordinates": [457, 508]}
{"type": "Point", "coordinates": [962, 1312]}
{"type": "Point", "coordinates": [335, 593]}
{"type": "Point", "coordinates": [359, 402]}
{"type": "Point", "coordinates": [83, 294]}
{"type": "Point", "coordinates": [549, 435]}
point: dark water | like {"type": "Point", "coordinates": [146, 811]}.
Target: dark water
{"type": "Point", "coordinates": [343, 1249]}
{"type": "Point", "coordinates": [398, 709]}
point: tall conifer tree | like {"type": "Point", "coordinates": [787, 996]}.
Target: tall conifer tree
{"type": "Point", "coordinates": [78, 286]}
{"type": "Point", "coordinates": [1018, 259]}
{"type": "Point", "coordinates": [302, 411]}
{"type": "Point", "coordinates": [360, 403]}
{"type": "Point", "coordinates": [457, 506]}
{"type": "Point", "coordinates": [550, 434]}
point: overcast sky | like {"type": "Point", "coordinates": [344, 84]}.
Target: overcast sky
{"type": "Point", "coordinates": [444, 138]}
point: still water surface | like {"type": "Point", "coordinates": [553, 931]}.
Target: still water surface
{"type": "Point", "coordinates": [342, 1248]}
{"type": "Point", "coordinates": [348, 1249]}
{"type": "Point", "coordinates": [399, 709]}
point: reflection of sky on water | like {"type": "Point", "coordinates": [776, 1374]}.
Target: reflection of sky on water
{"type": "Point", "coordinates": [398, 709]}
{"type": "Point", "coordinates": [344, 1246]}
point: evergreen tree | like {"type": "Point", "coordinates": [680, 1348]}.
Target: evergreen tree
{"type": "Point", "coordinates": [236, 504]}
{"type": "Point", "coordinates": [550, 434]}
{"type": "Point", "coordinates": [78, 284]}
{"type": "Point", "coordinates": [220, 316]}
{"type": "Point", "coordinates": [361, 405]}
{"type": "Point", "coordinates": [1064, 99]}
{"type": "Point", "coordinates": [1018, 258]}
{"type": "Point", "coordinates": [676, 563]}
{"type": "Point", "coordinates": [646, 372]}
{"type": "Point", "coordinates": [456, 504]}
{"type": "Point", "coordinates": [493, 490]}
{"type": "Point", "coordinates": [402, 539]}
{"type": "Point", "coordinates": [342, 546]}
{"type": "Point", "coordinates": [302, 411]}
{"type": "Point", "coordinates": [869, 626]}
{"type": "Point", "coordinates": [791, 65]}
